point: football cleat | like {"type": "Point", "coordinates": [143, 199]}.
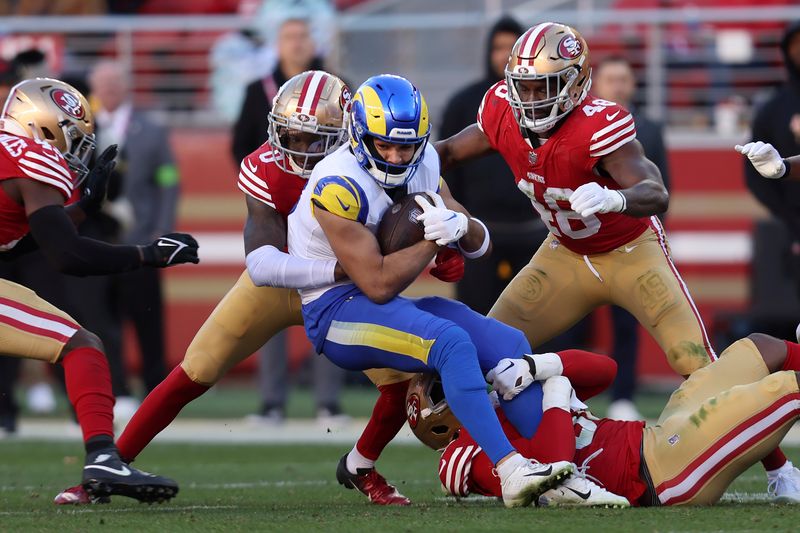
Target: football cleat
{"type": "Point", "coordinates": [579, 491]}
{"type": "Point", "coordinates": [77, 496]}
{"type": "Point", "coordinates": [531, 479]}
{"type": "Point", "coordinates": [785, 487]}
{"type": "Point", "coordinates": [370, 483]}
{"type": "Point", "coordinates": [105, 474]}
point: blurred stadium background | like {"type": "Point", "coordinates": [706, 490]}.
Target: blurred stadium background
{"type": "Point", "coordinates": [702, 66]}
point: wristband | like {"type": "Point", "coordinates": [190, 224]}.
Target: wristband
{"type": "Point", "coordinates": [481, 251]}
{"type": "Point", "coordinates": [788, 168]}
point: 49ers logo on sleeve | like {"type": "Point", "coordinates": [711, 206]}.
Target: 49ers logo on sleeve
{"type": "Point", "coordinates": [68, 103]}
{"type": "Point", "coordinates": [569, 47]}
{"type": "Point", "coordinates": [412, 410]}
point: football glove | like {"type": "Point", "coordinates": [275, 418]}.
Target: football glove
{"type": "Point", "coordinates": [94, 191]}
{"type": "Point", "coordinates": [171, 249]}
{"type": "Point", "coordinates": [449, 265]}
{"type": "Point", "coordinates": [510, 377]}
{"type": "Point", "coordinates": [764, 157]}
{"type": "Point", "coordinates": [591, 198]}
{"type": "Point", "coordinates": [441, 224]}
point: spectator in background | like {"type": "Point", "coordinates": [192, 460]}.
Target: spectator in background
{"type": "Point", "coordinates": [296, 53]}
{"type": "Point", "coordinates": [486, 188]}
{"type": "Point", "coordinates": [614, 80]}
{"type": "Point", "coordinates": [144, 205]}
{"type": "Point", "coordinates": [777, 122]}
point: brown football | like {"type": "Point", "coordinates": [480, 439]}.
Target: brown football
{"type": "Point", "coordinates": [399, 227]}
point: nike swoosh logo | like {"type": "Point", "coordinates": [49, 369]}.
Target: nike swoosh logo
{"type": "Point", "coordinates": [581, 495]}
{"type": "Point", "coordinates": [344, 207]}
{"type": "Point", "coordinates": [506, 368]}
{"type": "Point", "coordinates": [254, 167]}
{"type": "Point", "coordinates": [451, 217]}
{"type": "Point", "coordinates": [163, 243]}
{"type": "Point", "coordinates": [541, 474]}
{"type": "Point", "coordinates": [629, 249]}
{"type": "Point", "coordinates": [612, 117]}
{"type": "Point", "coordinates": [124, 471]}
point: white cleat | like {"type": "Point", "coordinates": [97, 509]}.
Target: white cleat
{"type": "Point", "coordinates": [785, 487]}
{"type": "Point", "coordinates": [579, 491]}
{"type": "Point", "coordinates": [531, 479]}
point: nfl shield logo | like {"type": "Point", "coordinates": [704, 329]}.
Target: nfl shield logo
{"type": "Point", "coordinates": [532, 157]}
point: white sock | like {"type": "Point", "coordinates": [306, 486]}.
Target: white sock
{"type": "Point", "coordinates": [785, 469]}
{"type": "Point", "coordinates": [556, 393]}
{"type": "Point", "coordinates": [509, 465]}
{"type": "Point", "coordinates": [547, 365]}
{"type": "Point", "coordinates": [355, 461]}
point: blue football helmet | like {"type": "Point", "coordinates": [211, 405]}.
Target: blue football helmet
{"type": "Point", "coordinates": [391, 109]}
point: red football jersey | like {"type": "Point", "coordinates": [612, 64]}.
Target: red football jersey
{"type": "Point", "coordinates": [464, 470]}
{"type": "Point", "coordinates": [23, 157]}
{"type": "Point", "coordinates": [261, 178]}
{"type": "Point", "coordinates": [617, 464]}
{"type": "Point", "coordinates": [550, 173]}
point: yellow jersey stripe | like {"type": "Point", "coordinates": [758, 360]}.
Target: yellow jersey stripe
{"type": "Point", "coordinates": [380, 337]}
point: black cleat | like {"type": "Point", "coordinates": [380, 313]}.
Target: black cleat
{"type": "Point", "coordinates": [105, 474]}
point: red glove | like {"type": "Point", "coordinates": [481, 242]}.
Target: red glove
{"type": "Point", "coordinates": [449, 265]}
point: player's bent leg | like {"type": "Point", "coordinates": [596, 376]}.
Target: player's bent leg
{"type": "Point", "coordinates": [245, 319]}
{"type": "Point", "coordinates": [694, 456]}
{"type": "Point", "coordinates": [356, 469]}
{"type": "Point", "coordinates": [647, 283]}
{"type": "Point", "coordinates": [553, 292]}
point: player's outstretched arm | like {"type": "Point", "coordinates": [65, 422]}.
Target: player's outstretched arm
{"type": "Point", "coordinates": [768, 162]}
{"type": "Point", "coordinates": [643, 193]}
{"type": "Point", "coordinates": [469, 143]}
{"type": "Point", "coordinates": [73, 254]}
{"type": "Point", "coordinates": [380, 277]}
{"type": "Point", "coordinates": [268, 264]}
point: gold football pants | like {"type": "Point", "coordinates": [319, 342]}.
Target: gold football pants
{"type": "Point", "coordinates": [30, 327]}
{"type": "Point", "coordinates": [558, 288]}
{"type": "Point", "coordinates": [243, 321]}
{"type": "Point", "coordinates": [722, 420]}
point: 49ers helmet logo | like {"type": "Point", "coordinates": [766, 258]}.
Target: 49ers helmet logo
{"type": "Point", "coordinates": [68, 103]}
{"type": "Point", "coordinates": [569, 47]}
{"type": "Point", "coordinates": [412, 410]}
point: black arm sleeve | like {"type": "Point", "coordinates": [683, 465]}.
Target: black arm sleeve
{"type": "Point", "coordinates": [72, 254]}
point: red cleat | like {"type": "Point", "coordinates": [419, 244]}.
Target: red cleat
{"type": "Point", "coordinates": [369, 483]}
{"type": "Point", "coordinates": [77, 496]}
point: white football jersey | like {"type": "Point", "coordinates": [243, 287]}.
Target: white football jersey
{"type": "Point", "coordinates": [339, 185]}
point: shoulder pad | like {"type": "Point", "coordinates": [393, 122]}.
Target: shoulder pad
{"type": "Point", "coordinates": [341, 196]}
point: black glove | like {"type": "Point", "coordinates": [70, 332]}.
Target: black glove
{"type": "Point", "coordinates": [94, 191]}
{"type": "Point", "coordinates": [171, 249]}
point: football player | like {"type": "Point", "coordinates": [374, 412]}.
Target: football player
{"type": "Point", "coordinates": [46, 141]}
{"type": "Point", "coordinates": [577, 158]}
{"type": "Point", "coordinates": [722, 420]}
{"type": "Point", "coordinates": [361, 323]}
{"type": "Point", "coordinates": [305, 124]}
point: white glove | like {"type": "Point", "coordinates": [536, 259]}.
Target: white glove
{"type": "Point", "coordinates": [764, 157]}
{"type": "Point", "coordinates": [441, 224]}
{"type": "Point", "coordinates": [591, 198]}
{"type": "Point", "coordinates": [510, 377]}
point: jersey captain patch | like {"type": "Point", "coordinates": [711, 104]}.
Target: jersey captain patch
{"type": "Point", "coordinates": [341, 196]}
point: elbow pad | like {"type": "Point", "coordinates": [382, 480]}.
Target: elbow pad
{"type": "Point", "coordinates": [271, 267]}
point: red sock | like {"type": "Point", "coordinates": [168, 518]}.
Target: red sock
{"type": "Point", "coordinates": [388, 417]}
{"type": "Point", "coordinates": [88, 381]}
{"type": "Point", "coordinates": [554, 439]}
{"type": "Point", "coordinates": [792, 361]}
{"type": "Point", "coordinates": [589, 373]}
{"type": "Point", "coordinates": [160, 408]}
{"type": "Point", "coordinates": [774, 460]}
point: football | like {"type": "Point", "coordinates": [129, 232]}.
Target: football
{"type": "Point", "coordinates": [399, 227]}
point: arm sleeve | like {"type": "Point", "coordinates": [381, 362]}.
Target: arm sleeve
{"type": "Point", "coordinates": [271, 267]}
{"type": "Point", "coordinates": [70, 253]}
{"type": "Point", "coordinates": [770, 192]}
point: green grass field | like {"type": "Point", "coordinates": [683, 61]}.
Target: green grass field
{"type": "Point", "coordinates": [292, 488]}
